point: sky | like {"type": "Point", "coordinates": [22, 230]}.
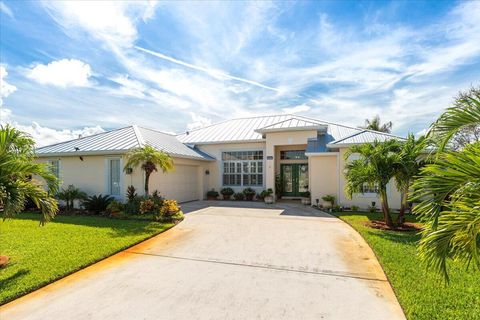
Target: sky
{"type": "Point", "coordinates": [72, 68]}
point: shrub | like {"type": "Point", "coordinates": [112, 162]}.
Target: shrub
{"type": "Point", "coordinates": [337, 208]}
{"type": "Point", "coordinates": [212, 194]}
{"type": "Point", "coordinates": [115, 207]}
{"type": "Point", "coordinates": [372, 209]}
{"type": "Point", "coordinates": [169, 208]}
{"type": "Point", "coordinates": [97, 204]}
{"type": "Point", "coordinates": [156, 198]}
{"type": "Point", "coordinates": [147, 206]}
{"type": "Point", "coordinates": [133, 206]}
{"type": "Point", "coordinates": [329, 198]}
{"type": "Point", "coordinates": [355, 208]}
{"type": "Point", "coordinates": [227, 191]}
{"type": "Point", "coordinates": [131, 193]}
{"type": "Point", "coordinates": [239, 196]}
{"type": "Point", "coordinates": [249, 193]}
{"type": "Point", "coordinates": [69, 195]}
{"type": "Point", "coordinates": [265, 193]}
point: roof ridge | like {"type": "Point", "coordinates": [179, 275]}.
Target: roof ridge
{"type": "Point", "coordinates": [158, 131]}
{"type": "Point", "coordinates": [138, 135]}
{"type": "Point", "coordinates": [347, 137]}
{"type": "Point", "coordinates": [92, 135]}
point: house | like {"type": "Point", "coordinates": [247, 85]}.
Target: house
{"type": "Point", "coordinates": [305, 154]}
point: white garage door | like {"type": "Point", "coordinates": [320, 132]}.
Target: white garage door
{"type": "Point", "coordinates": [181, 185]}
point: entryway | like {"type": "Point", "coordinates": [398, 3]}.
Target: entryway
{"type": "Point", "coordinates": [294, 178]}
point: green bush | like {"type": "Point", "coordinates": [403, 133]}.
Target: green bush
{"type": "Point", "coordinates": [69, 195]}
{"type": "Point", "coordinates": [133, 206]}
{"type": "Point", "coordinates": [131, 193]}
{"type": "Point", "coordinates": [227, 191]}
{"type": "Point", "coordinates": [355, 208]}
{"type": "Point", "coordinates": [115, 207]}
{"type": "Point", "coordinates": [97, 203]}
{"type": "Point", "coordinates": [212, 194]}
{"type": "Point", "coordinates": [265, 193]}
{"type": "Point", "coordinates": [329, 198]}
{"type": "Point", "coordinates": [337, 208]}
{"type": "Point", "coordinates": [372, 209]}
{"type": "Point", "coordinates": [239, 196]}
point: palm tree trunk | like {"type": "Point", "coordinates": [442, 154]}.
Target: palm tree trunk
{"type": "Point", "coordinates": [385, 208]}
{"type": "Point", "coordinates": [147, 179]}
{"type": "Point", "coordinates": [403, 206]}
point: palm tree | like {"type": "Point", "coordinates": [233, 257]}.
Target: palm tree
{"type": "Point", "coordinates": [71, 194]}
{"type": "Point", "coordinates": [408, 167]}
{"type": "Point", "coordinates": [17, 169]}
{"type": "Point", "coordinates": [376, 166]}
{"type": "Point", "coordinates": [448, 191]}
{"type": "Point", "coordinates": [376, 125]}
{"type": "Point", "coordinates": [150, 160]}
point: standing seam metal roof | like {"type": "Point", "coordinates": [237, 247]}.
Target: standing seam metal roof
{"type": "Point", "coordinates": [124, 139]}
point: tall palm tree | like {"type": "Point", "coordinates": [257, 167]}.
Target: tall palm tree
{"type": "Point", "coordinates": [408, 167]}
{"type": "Point", "coordinates": [449, 191]}
{"type": "Point", "coordinates": [150, 160]}
{"type": "Point", "coordinates": [376, 166]}
{"type": "Point", "coordinates": [17, 169]}
{"type": "Point", "coordinates": [376, 125]}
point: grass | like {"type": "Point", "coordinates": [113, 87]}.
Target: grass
{"type": "Point", "coordinates": [42, 254]}
{"type": "Point", "coordinates": [422, 294]}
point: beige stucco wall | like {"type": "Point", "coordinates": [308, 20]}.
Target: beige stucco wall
{"type": "Point", "coordinates": [365, 200]}
{"type": "Point", "coordinates": [214, 179]}
{"type": "Point", "coordinates": [91, 175]}
{"type": "Point", "coordinates": [323, 176]}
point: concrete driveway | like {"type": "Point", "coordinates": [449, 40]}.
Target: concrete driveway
{"type": "Point", "coordinates": [228, 260]}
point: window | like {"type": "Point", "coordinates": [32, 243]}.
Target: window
{"type": "Point", "coordinates": [293, 155]}
{"type": "Point", "coordinates": [54, 166]}
{"type": "Point", "coordinates": [114, 177]}
{"type": "Point", "coordinates": [368, 188]}
{"type": "Point", "coordinates": [242, 168]}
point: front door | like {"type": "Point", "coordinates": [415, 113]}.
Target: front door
{"type": "Point", "coordinates": [294, 178]}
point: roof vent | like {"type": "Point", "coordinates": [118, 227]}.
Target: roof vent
{"type": "Point", "coordinates": [76, 148]}
{"type": "Point", "coordinates": [79, 136]}
{"type": "Point", "coordinates": [187, 133]}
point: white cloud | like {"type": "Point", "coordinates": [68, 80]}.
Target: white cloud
{"type": "Point", "coordinates": [5, 9]}
{"type": "Point", "coordinates": [45, 136]}
{"type": "Point", "coordinates": [5, 88]}
{"type": "Point", "coordinates": [62, 73]}
{"type": "Point", "coordinates": [109, 21]}
{"type": "Point", "coordinates": [198, 122]}
{"type": "Point", "coordinates": [297, 109]}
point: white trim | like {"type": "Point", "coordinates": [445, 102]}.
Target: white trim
{"type": "Point", "coordinates": [306, 128]}
{"type": "Point", "coordinates": [220, 167]}
{"type": "Point", "coordinates": [223, 142]}
{"type": "Point", "coordinates": [140, 139]}
{"type": "Point", "coordinates": [108, 153]}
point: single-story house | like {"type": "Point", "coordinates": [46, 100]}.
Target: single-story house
{"type": "Point", "coordinates": [306, 154]}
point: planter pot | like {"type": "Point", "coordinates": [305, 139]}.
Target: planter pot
{"type": "Point", "coordinates": [306, 201]}
{"type": "Point", "coordinates": [249, 197]}
{"type": "Point", "coordinates": [227, 196]}
{"type": "Point", "coordinates": [211, 198]}
{"type": "Point", "coordinates": [268, 199]}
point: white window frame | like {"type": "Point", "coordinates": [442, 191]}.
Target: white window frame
{"type": "Point", "coordinates": [242, 173]}
{"type": "Point", "coordinates": [108, 178]}
{"type": "Point", "coordinates": [50, 164]}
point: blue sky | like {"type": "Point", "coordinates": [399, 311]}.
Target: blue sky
{"type": "Point", "coordinates": [71, 67]}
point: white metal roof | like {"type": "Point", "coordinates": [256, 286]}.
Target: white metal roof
{"type": "Point", "coordinates": [249, 129]}
{"type": "Point", "coordinates": [363, 136]}
{"type": "Point", "coordinates": [120, 141]}
{"type": "Point", "coordinates": [292, 124]}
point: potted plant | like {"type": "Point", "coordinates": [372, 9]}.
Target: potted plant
{"type": "Point", "coordinates": [249, 193]}
{"type": "Point", "coordinates": [267, 196]}
{"type": "Point", "coordinates": [227, 193]}
{"type": "Point", "coordinates": [239, 196]}
{"type": "Point", "coordinates": [306, 197]}
{"type": "Point", "coordinates": [212, 195]}
{"type": "Point", "coordinates": [330, 199]}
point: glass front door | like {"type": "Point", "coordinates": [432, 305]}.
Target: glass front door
{"type": "Point", "coordinates": [294, 179]}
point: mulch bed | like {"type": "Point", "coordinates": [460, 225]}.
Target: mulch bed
{"type": "Point", "coordinates": [407, 226]}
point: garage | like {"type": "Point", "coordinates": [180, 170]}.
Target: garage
{"type": "Point", "coordinates": [181, 184]}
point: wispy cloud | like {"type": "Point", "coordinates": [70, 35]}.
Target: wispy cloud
{"type": "Point", "coordinates": [5, 9]}
{"type": "Point", "coordinates": [211, 72]}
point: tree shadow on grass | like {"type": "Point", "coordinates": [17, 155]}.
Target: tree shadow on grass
{"type": "Point", "coordinates": [4, 283]}
{"type": "Point", "coordinates": [119, 227]}
{"type": "Point", "coordinates": [408, 237]}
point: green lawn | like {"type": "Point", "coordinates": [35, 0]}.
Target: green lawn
{"type": "Point", "coordinates": [42, 254]}
{"type": "Point", "coordinates": [422, 294]}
